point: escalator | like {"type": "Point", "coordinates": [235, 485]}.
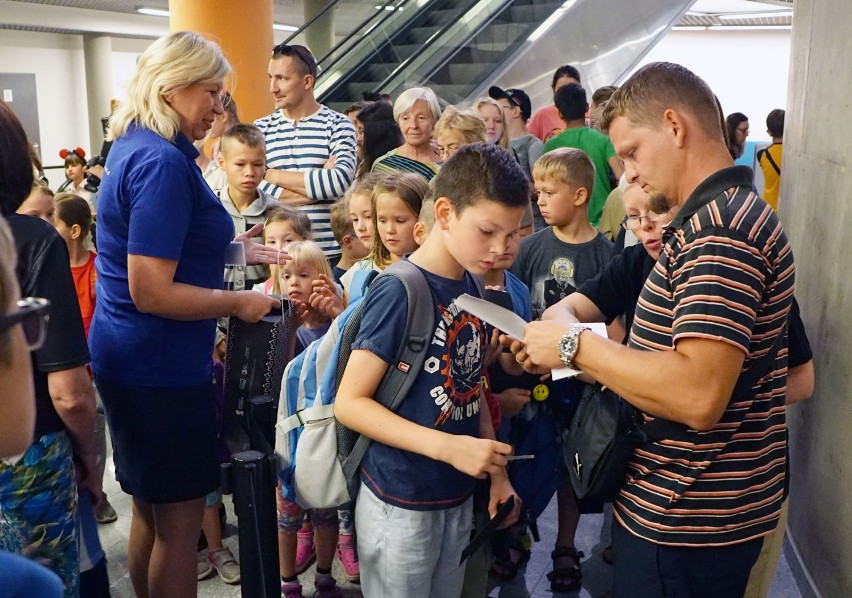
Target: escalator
{"type": "Point", "coordinates": [461, 47]}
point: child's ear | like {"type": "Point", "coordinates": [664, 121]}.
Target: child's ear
{"type": "Point", "coordinates": [443, 209]}
{"type": "Point", "coordinates": [220, 160]}
{"type": "Point", "coordinates": [420, 233]}
{"type": "Point", "coordinates": [76, 231]}
{"type": "Point", "coordinates": [581, 196]}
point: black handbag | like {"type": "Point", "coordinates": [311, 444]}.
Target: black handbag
{"type": "Point", "coordinates": [606, 429]}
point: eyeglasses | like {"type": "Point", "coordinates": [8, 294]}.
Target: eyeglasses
{"type": "Point", "coordinates": [32, 314]}
{"type": "Point", "coordinates": [635, 221]}
{"type": "Point", "coordinates": [300, 52]}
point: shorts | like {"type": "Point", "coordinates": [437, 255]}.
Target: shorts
{"type": "Point", "coordinates": [164, 440]}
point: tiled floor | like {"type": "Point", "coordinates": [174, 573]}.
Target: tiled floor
{"type": "Point", "coordinates": [532, 584]}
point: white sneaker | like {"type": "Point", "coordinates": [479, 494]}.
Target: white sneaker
{"type": "Point", "coordinates": [205, 567]}
{"type": "Point", "coordinates": [225, 563]}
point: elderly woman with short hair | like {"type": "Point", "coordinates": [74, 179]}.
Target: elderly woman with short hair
{"type": "Point", "coordinates": [416, 111]}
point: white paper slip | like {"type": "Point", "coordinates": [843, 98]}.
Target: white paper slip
{"type": "Point", "coordinates": [512, 324]}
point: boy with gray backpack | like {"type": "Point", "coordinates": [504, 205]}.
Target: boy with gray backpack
{"type": "Point", "coordinates": [417, 476]}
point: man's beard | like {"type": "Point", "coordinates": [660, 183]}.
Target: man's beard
{"type": "Point", "coordinates": [659, 203]}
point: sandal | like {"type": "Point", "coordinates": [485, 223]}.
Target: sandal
{"type": "Point", "coordinates": [510, 552]}
{"type": "Point", "coordinates": [566, 579]}
{"type": "Point", "coordinates": [306, 554]}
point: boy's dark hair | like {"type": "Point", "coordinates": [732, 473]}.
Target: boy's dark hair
{"type": "Point", "coordinates": [775, 122]}
{"type": "Point", "coordinates": [567, 165]}
{"type": "Point", "coordinates": [571, 102]}
{"type": "Point", "coordinates": [498, 177]}
{"type": "Point", "coordinates": [341, 222]}
{"type": "Point", "coordinates": [16, 169]}
{"type": "Point", "coordinates": [73, 209]}
{"type": "Point", "coordinates": [566, 70]}
{"type": "Point", "coordinates": [246, 134]}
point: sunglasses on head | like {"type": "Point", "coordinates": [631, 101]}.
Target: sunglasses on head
{"type": "Point", "coordinates": [32, 314]}
{"type": "Point", "coordinates": [300, 52]}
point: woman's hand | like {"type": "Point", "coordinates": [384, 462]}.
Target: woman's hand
{"type": "Point", "coordinates": [257, 253]}
{"type": "Point", "coordinates": [251, 306]}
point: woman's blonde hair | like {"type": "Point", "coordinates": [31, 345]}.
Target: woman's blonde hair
{"type": "Point", "coordinates": [466, 121]}
{"type": "Point", "coordinates": [170, 64]}
{"type": "Point", "coordinates": [504, 141]}
{"type": "Point", "coordinates": [411, 189]}
{"type": "Point", "coordinates": [308, 253]}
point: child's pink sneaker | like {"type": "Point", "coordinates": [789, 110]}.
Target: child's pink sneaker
{"type": "Point", "coordinates": [306, 554]}
{"type": "Point", "coordinates": [349, 557]}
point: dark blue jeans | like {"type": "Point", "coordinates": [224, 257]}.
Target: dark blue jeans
{"type": "Point", "coordinates": [643, 569]}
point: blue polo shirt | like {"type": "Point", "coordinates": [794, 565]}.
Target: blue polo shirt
{"type": "Point", "coordinates": [153, 202]}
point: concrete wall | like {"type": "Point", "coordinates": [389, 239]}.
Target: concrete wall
{"type": "Point", "coordinates": [755, 87]}
{"type": "Point", "coordinates": [816, 209]}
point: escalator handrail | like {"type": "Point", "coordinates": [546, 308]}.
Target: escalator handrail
{"type": "Point", "coordinates": [330, 67]}
{"type": "Point", "coordinates": [417, 53]}
{"type": "Point", "coordinates": [309, 22]}
{"type": "Point", "coordinates": [505, 6]}
{"type": "Point", "coordinates": [385, 14]}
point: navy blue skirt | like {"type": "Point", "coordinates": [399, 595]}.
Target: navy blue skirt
{"type": "Point", "coordinates": [164, 440]}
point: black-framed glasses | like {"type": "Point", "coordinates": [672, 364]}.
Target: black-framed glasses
{"type": "Point", "coordinates": [300, 52]}
{"type": "Point", "coordinates": [635, 221]}
{"type": "Point", "coordinates": [32, 314]}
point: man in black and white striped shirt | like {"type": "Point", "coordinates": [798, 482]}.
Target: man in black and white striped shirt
{"type": "Point", "coordinates": [310, 149]}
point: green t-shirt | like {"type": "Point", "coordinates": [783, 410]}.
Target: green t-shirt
{"type": "Point", "coordinates": [599, 149]}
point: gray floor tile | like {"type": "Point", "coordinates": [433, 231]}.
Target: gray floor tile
{"type": "Point", "coordinates": [531, 582]}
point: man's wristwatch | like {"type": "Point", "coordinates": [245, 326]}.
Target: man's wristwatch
{"type": "Point", "coordinates": [569, 344]}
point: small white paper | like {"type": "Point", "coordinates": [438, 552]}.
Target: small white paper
{"type": "Point", "coordinates": [7, 96]}
{"type": "Point", "coordinates": [512, 324]}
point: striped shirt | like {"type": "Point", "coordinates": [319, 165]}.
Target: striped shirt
{"type": "Point", "coordinates": [726, 274]}
{"type": "Point", "coordinates": [305, 145]}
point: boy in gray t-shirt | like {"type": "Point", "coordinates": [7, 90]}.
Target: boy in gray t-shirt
{"type": "Point", "coordinates": [555, 261]}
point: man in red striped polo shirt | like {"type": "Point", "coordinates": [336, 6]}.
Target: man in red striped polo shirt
{"type": "Point", "coordinates": [691, 518]}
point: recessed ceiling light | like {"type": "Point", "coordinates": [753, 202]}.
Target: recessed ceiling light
{"type": "Point", "coordinates": [749, 27]}
{"type": "Point", "coordinates": [280, 27]}
{"type": "Point", "coordinates": [738, 16]}
{"type": "Point", "coordinates": [154, 12]}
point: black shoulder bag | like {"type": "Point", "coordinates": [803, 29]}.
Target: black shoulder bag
{"type": "Point", "coordinates": [606, 429]}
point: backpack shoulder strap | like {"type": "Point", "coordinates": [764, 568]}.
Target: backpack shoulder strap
{"type": "Point", "coordinates": [419, 327]}
{"type": "Point", "coordinates": [400, 375]}
{"type": "Point", "coordinates": [771, 160]}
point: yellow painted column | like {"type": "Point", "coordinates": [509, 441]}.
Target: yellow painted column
{"type": "Point", "coordinates": [244, 30]}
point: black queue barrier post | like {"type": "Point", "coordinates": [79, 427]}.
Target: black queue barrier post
{"type": "Point", "coordinates": [252, 477]}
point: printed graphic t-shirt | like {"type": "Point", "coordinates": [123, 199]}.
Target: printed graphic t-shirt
{"type": "Point", "coordinates": [553, 269]}
{"type": "Point", "coordinates": [445, 395]}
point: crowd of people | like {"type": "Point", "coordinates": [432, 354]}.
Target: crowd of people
{"type": "Point", "coordinates": [628, 211]}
